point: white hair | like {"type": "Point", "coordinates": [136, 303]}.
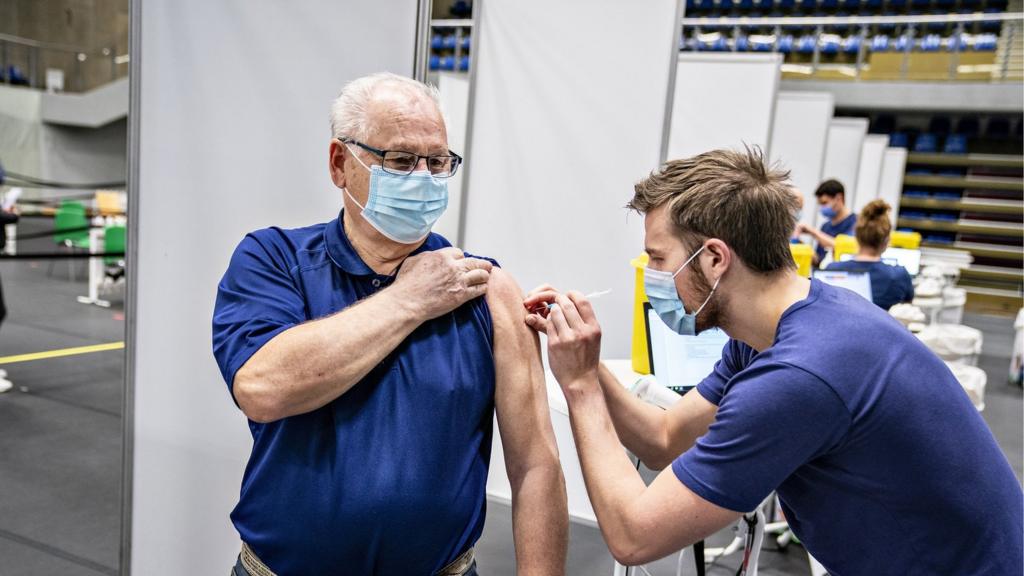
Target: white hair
{"type": "Point", "coordinates": [348, 112]}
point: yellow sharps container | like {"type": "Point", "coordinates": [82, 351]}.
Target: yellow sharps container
{"type": "Point", "coordinates": [803, 254]}
{"type": "Point", "coordinates": [641, 361]}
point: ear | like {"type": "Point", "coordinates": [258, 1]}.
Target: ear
{"type": "Point", "coordinates": [716, 259]}
{"type": "Point", "coordinates": [337, 154]}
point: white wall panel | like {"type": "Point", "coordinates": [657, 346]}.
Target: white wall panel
{"type": "Point", "coordinates": [869, 172]}
{"type": "Point", "coordinates": [454, 89]}
{"type": "Point", "coordinates": [799, 137]}
{"type": "Point", "coordinates": [890, 183]}
{"type": "Point", "coordinates": [723, 101]}
{"type": "Point", "coordinates": [233, 133]}
{"type": "Point", "coordinates": [563, 124]}
{"type": "Point", "coordinates": [842, 153]}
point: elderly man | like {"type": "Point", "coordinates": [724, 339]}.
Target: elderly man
{"type": "Point", "coordinates": [370, 357]}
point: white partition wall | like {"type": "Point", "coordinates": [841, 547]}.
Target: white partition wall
{"type": "Point", "coordinates": [869, 172]}
{"type": "Point", "coordinates": [229, 134]}
{"type": "Point", "coordinates": [890, 183]}
{"type": "Point", "coordinates": [454, 89]}
{"type": "Point", "coordinates": [799, 137]}
{"type": "Point", "coordinates": [562, 124]}
{"type": "Point", "coordinates": [842, 153]}
{"type": "Point", "coordinates": [723, 101]}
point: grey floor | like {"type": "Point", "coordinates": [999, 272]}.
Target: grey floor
{"type": "Point", "coordinates": [60, 440]}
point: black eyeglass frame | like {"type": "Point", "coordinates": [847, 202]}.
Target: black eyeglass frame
{"type": "Point", "coordinates": [456, 160]}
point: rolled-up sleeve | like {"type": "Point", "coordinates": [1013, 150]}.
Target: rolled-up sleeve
{"type": "Point", "coordinates": [257, 299]}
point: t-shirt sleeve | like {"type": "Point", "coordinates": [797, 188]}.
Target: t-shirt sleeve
{"type": "Point", "coordinates": [735, 356]}
{"type": "Point", "coordinates": [774, 420]}
{"type": "Point", "coordinates": [257, 299]}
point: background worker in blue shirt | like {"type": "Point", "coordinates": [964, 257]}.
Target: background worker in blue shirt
{"type": "Point", "coordinates": [889, 284]}
{"type": "Point", "coordinates": [881, 462]}
{"type": "Point", "coordinates": [370, 357]}
{"type": "Point", "coordinates": [838, 218]}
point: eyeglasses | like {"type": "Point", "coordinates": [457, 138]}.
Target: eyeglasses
{"type": "Point", "coordinates": [404, 163]}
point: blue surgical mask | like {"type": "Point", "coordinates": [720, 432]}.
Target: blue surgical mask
{"type": "Point", "coordinates": [664, 298]}
{"type": "Point", "coordinates": [828, 212]}
{"type": "Point", "coordinates": [403, 208]}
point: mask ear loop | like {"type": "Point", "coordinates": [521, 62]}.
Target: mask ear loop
{"type": "Point", "coordinates": [708, 299]}
{"type": "Point", "coordinates": [688, 260]}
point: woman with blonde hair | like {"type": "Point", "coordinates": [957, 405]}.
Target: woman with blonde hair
{"type": "Point", "coordinates": [889, 284]}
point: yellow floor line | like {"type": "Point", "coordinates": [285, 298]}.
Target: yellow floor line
{"type": "Point", "coordinates": [61, 353]}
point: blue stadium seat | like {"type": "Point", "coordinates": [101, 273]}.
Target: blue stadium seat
{"type": "Point", "coordinates": [16, 77]}
{"type": "Point", "coordinates": [829, 4]}
{"type": "Point", "coordinates": [998, 5]}
{"type": "Point", "coordinates": [880, 43]}
{"type": "Point", "coordinates": [435, 42]}
{"type": "Point", "coordinates": [805, 44]}
{"type": "Point", "coordinates": [985, 42]}
{"type": "Point", "coordinates": [899, 139]}
{"type": "Point", "coordinates": [461, 9]}
{"type": "Point", "coordinates": [921, 4]}
{"type": "Point", "coordinates": [467, 41]}
{"type": "Point", "coordinates": [850, 5]}
{"type": "Point", "coordinates": [745, 5]}
{"type": "Point", "coordinates": [691, 6]}
{"type": "Point", "coordinates": [913, 193]}
{"type": "Point", "coordinates": [464, 63]}
{"type": "Point", "coordinates": [851, 44]}
{"type": "Point", "coordinates": [435, 62]}
{"type": "Point", "coordinates": [956, 42]}
{"type": "Point", "coordinates": [786, 5]}
{"type": "Point", "coordinates": [447, 63]}
{"type": "Point", "coordinates": [763, 5]}
{"type": "Point", "coordinates": [901, 44]}
{"type": "Point", "coordinates": [930, 43]}
{"type": "Point", "coordinates": [741, 43]}
{"type": "Point", "coordinates": [955, 144]}
{"type": "Point", "coordinates": [762, 44]}
{"type": "Point", "coordinates": [829, 44]}
{"type": "Point", "coordinates": [807, 6]}
{"type": "Point", "coordinates": [874, 5]}
{"type": "Point", "coordinates": [786, 43]}
{"type": "Point", "coordinates": [926, 142]}
{"type": "Point", "coordinates": [896, 6]}
{"type": "Point", "coordinates": [448, 42]}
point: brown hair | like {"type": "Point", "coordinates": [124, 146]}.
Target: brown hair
{"type": "Point", "coordinates": [873, 225]}
{"type": "Point", "coordinates": [729, 195]}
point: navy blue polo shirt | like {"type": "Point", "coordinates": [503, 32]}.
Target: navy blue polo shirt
{"type": "Point", "coordinates": [889, 284]}
{"type": "Point", "coordinates": [881, 462]}
{"type": "Point", "coordinates": [845, 226]}
{"type": "Point", "coordinates": [388, 478]}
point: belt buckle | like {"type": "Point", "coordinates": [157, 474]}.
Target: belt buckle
{"type": "Point", "coordinates": [460, 565]}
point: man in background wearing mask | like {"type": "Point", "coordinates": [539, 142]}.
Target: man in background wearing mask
{"type": "Point", "coordinates": [838, 218]}
{"type": "Point", "coordinates": [881, 462]}
{"type": "Point", "coordinates": [370, 357]}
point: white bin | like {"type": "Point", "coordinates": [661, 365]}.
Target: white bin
{"type": "Point", "coordinates": [973, 381]}
{"type": "Point", "coordinates": [1017, 359]}
{"type": "Point", "coordinates": [953, 343]}
{"type": "Point", "coordinates": [953, 301]}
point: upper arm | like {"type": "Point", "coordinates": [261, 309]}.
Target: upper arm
{"type": "Point", "coordinates": [672, 517]}
{"type": "Point", "coordinates": [256, 300]}
{"type": "Point", "coordinates": [520, 398]}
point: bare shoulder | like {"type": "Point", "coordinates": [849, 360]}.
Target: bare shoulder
{"type": "Point", "coordinates": [504, 294]}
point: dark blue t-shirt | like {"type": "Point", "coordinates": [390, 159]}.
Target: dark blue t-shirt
{"type": "Point", "coordinates": [889, 284]}
{"type": "Point", "coordinates": [845, 226]}
{"type": "Point", "coordinates": [881, 462]}
{"type": "Point", "coordinates": [390, 477]}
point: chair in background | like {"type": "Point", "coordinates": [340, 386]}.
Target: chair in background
{"type": "Point", "coordinates": [70, 232]}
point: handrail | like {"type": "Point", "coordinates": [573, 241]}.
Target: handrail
{"type": "Point", "coordinates": [10, 38]}
{"type": "Point", "coordinates": [452, 23]}
{"type": "Point", "coordinates": [854, 20]}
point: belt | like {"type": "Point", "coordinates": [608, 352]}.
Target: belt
{"type": "Point", "coordinates": [255, 567]}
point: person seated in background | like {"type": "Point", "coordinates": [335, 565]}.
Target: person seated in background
{"type": "Point", "coordinates": [832, 198]}
{"type": "Point", "coordinates": [889, 284]}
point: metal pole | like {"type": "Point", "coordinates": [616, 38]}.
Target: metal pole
{"type": "Point", "coordinates": [1010, 33]}
{"type": "Point", "coordinates": [905, 64]}
{"type": "Point", "coordinates": [860, 52]}
{"type": "Point", "coordinates": [458, 48]}
{"type": "Point", "coordinates": [954, 57]}
{"type": "Point", "coordinates": [816, 58]}
{"type": "Point", "coordinates": [33, 67]}
{"type": "Point", "coordinates": [777, 32]}
{"type": "Point", "coordinates": [421, 55]}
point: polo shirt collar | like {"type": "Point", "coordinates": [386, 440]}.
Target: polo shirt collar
{"type": "Point", "coordinates": [344, 256]}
